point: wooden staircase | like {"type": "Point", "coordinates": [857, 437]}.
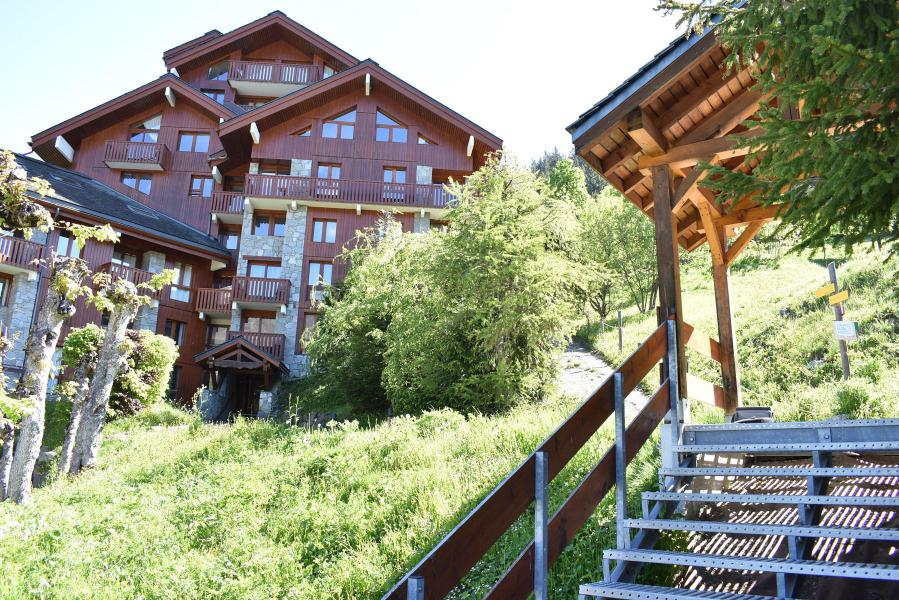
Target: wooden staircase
{"type": "Point", "coordinates": [771, 539]}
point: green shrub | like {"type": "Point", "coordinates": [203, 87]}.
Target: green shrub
{"type": "Point", "coordinates": [144, 377]}
{"type": "Point", "coordinates": [472, 318]}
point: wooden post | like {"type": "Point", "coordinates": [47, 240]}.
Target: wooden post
{"type": "Point", "coordinates": [668, 263]}
{"type": "Point", "coordinates": [730, 371]}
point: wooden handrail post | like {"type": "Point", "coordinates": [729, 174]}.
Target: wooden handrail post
{"type": "Point", "coordinates": [620, 465]}
{"type": "Point", "coordinates": [541, 526]}
{"type": "Point", "coordinates": [415, 589]}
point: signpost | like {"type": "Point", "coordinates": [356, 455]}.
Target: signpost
{"type": "Point", "coordinates": [842, 329]}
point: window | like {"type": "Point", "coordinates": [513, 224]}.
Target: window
{"type": "Point", "coordinates": [320, 274]}
{"type": "Point", "coordinates": [215, 335]}
{"type": "Point", "coordinates": [389, 130]}
{"type": "Point", "coordinates": [234, 183]}
{"type": "Point", "coordinates": [394, 175]}
{"type": "Point", "coordinates": [230, 237]}
{"type": "Point", "coordinates": [423, 141]}
{"type": "Point", "coordinates": [304, 132]}
{"type": "Point", "coordinates": [250, 102]}
{"type": "Point", "coordinates": [138, 181]}
{"type": "Point", "coordinates": [264, 269]}
{"type": "Point", "coordinates": [328, 171]}
{"type": "Point", "coordinates": [327, 71]}
{"type": "Point", "coordinates": [5, 285]}
{"type": "Point", "coordinates": [201, 185]}
{"type": "Point", "coordinates": [258, 322]}
{"type": "Point", "coordinates": [146, 130]}
{"type": "Point", "coordinates": [124, 259]}
{"type": "Point", "coordinates": [341, 126]}
{"type": "Point", "coordinates": [324, 230]}
{"type": "Point", "coordinates": [274, 167]}
{"type": "Point", "coordinates": [173, 381]}
{"type": "Point", "coordinates": [217, 95]}
{"type": "Point", "coordinates": [218, 71]}
{"type": "Point", "coordinates": [67, 246]}
{"type": "Point", "coordinates": [175, 330]}
{"type": "Point", "coordinates": [272, 224]}
{"type": "Point", "coordinates": [180, 289]}
{"type": "Point", "coordinates": [193, 142]}
{"type": "Point", "coordinates": [309, 321]}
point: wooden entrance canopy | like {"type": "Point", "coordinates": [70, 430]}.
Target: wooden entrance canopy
{"type": "Point", "coordinates": [647, 137]}
{"type": "Point", "coordinates": [240, 354]}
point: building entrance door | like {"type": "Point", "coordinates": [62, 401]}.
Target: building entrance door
{"type": "Point", "coordinates": [246, 394]}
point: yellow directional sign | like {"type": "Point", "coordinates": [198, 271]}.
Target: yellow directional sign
{"type": "Point", "coordinates": [824, 291]}
{"type": "Point", "coordinates": [837, 298]}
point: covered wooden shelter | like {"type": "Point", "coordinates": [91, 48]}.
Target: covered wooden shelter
{"type": "Point", "coordinates": [646, 138]}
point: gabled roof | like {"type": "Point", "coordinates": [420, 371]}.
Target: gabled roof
{"type": "Point", "coordinates": [240, 351]}
{"type": "Point", "coordinates": [118, 108]}
{"type": "Point", "coordinates": [671, 57]}
{"type": "Point", "coordinates": [214, 41]}
{"type": "Point", "coordinates": [278, 110]}
{"type": "Point", "coordinates": [77, 192]}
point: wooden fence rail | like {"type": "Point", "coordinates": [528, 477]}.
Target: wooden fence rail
{"type": "Point", "coordinates": [448, 562]}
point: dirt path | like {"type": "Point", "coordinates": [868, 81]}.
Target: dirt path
{"type": "Point", "coordinates": [583, 371]}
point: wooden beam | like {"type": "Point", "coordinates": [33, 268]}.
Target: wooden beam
{"type": "Point", "coordinates": [702, 342]}
{"type": "Point", "coordinates": [730, 371]}
{"type": "Point", "coordinates": [706, 392]}
{"type": "Point", "coordinates": [642, 129]}
{"type": "Point", "coordinates": [726, 119]}
{"type": "Point", "coordinates": [618, 157]}
{"type": "Point", "coordinates": [687, 187]}
{"type": "Point", "coordinates": [740, 243]}
{"type": "Point", "coordinates": [698, 96]}
{"type": "Point", "coordinates": [668, 263]}
{"type": "Point", "coordinates": [711, 231]}
{"type": "Point", "coordinates": [750, 215]}
{"type": "Point", "coordinates": [688, 155]}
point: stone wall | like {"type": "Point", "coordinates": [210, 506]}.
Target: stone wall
{"type": "Point", "coordinates": [292, 269]}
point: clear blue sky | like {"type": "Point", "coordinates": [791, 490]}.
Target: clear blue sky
{"type": "Point", "coordinates": [523, 70]}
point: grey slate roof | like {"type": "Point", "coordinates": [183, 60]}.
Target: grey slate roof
{"type": "Point", "coordinates": [79, 192]}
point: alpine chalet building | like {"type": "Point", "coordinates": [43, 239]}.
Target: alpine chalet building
{"type": "Point", "coordinates": [246, 168]}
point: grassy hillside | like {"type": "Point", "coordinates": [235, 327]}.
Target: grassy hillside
{"type": "Point", "coordinates": [178, 508]}
{"type": "Point", "coordinates": [788, 355]}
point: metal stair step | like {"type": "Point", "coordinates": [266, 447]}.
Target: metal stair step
{"type": "Point", "coordinates": [802, 447]}
{"type": "Point", "coordinates": [794, 425]}
{"type": "Point", "coordinates": [636, 591]}
{"type": "Point", "coordinates": [869, 501]}
{"type": "Point", "coordinates": [780, 472]}
{"type": "Point", "coordinates": [882, 572]}
{"type": "Point", "coordinates": [810, 531]}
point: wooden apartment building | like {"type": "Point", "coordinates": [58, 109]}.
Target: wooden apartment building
{"type": "Point", "coordinates": [246, 167]}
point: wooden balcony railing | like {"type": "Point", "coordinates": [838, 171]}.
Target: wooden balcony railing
{"type": "Point", "coordinates": [227, 202]}
{"type": "Point", "coordinates": [272, 343]}
{"type": "Point", "coordinates": [213, 300]}
{"type": "Point", "coordinates": [266, 72]}
{"type": "Point", "coordinates": [135, 276]}
{"type": "Point", "coordinates": [419, 195]}
{"type": "Point", "coordinates": [260, 289]}
{"type": "Point", "coordinates": [136, 153]}
{"type": "Point", "coordinates": [19, 253]}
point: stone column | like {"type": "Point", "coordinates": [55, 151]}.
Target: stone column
{"type": "Point", "coordinates": [292, 269]}
{"type": "Point", "coordinates": [22, 298]}
{"type": "Point", "coordinates": [148, 316]}
{"type": "Point", "coordinates": [424, 175]}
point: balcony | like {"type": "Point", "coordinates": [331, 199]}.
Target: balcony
{"type": "Point", "coordinates": [214, 301]}
{"type": "Point", "coordinates": [266, 79]}
{"type": "Point", "coordinates": [347, 191]}
{"type": "Point", "coordinates": [271, 343]}
{"type": "Point", "coordinates": [19, 256]}
{"type": "Point", "coordinates": [136, 156]}
{"type": "Point", "coordinates": [247, 292]}
{"type": "Point", "coordinates": [227, 207]}
{"type": "Point", "coordinates": [260, 292]}
{"type": "Point", "coordinates": [135, 276]}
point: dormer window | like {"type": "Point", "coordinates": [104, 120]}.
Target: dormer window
{"type": "Point", "coordinates": [423, 141]}
{"type": "Point", "coordinates": [389, 130]}
{"type": "Point", "coordinates": [146, 130]}
{"type": "Point", "coordinates": [218, 71]}
{"type": "Point", "coordinates": [341, 126]}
